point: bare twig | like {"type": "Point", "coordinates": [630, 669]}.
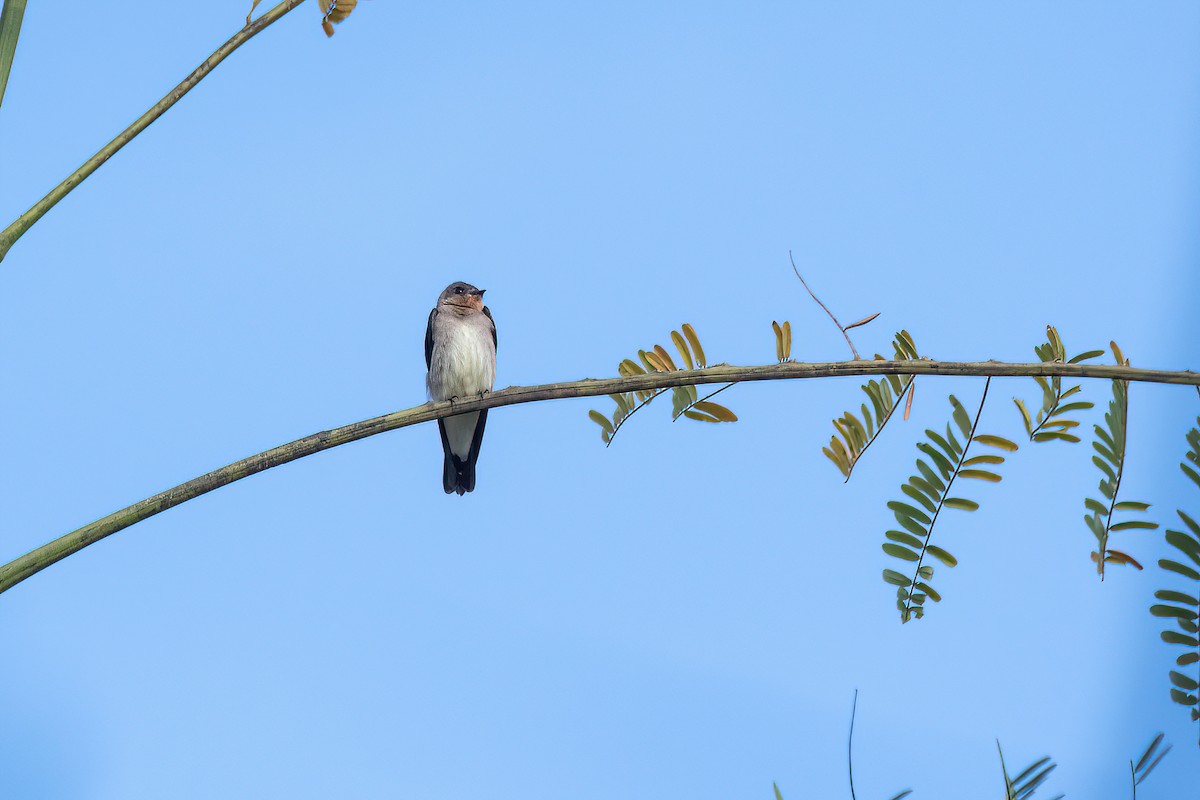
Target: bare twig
{"type": "Point", "coordinates": [863, 321]}
{"type": "Point", "coordinates": [24, 222]}
{"type": "Point", "coordinates": [33, 562]}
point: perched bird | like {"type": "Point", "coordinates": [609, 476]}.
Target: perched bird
{"type": "Point", "coordinates": [460, 352]}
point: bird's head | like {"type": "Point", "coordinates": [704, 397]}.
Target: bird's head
{"type": "Point", "coordinates": [462, 295]}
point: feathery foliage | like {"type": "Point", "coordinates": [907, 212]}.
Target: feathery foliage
{"type": "Point", "coordinates": [856, 434]}
{"type": "Point", "coordinates": [1110, 459]}
{"type": "Point", "coordinates": [1182, 606]}
{"type": "Point", "coordinates": [1145, 765]}
{"type": "Point", "coordinates": [685, 401]}
{"type": "Point", "coordinates": [1050, 424]}
{"type": "Point", "coordinates": [930, 489]}
{"type": "Point", "coordinates": [1027, 782]}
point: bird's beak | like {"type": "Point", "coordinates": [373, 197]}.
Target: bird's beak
{"type": "Point", "coordinates": [479, 292]}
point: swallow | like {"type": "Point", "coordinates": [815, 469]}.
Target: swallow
{"type": "Point", "coordinates": [460, 354]}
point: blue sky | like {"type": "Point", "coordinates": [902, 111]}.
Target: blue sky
{"type": "Point", "coordinates": [688, 612]}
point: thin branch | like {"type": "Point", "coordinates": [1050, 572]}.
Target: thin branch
{"type": "Point", "coordinates": [29, 564]}
{"type": "Point", "coordinates": [689, 406]}
{"type": "Point", "coordinates": [24, 222]}
{"type": "Point", "coordinates": [850, 745]}
{"type": "Point", "coordinates": [827, 311]}
{"type": "Point", "coordinates": [942, 501]}
{"type": "Point", "coordinates": [635, 409]}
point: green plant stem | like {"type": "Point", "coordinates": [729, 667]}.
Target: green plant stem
{"type": "Point", "coordinates": [23, 223]}
{"type": "Point", "coordinates": [33, 562]}
{"type": "Point", "coordinates": [811, 294]}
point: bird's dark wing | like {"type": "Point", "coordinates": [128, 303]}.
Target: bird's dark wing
{"type": "Point", "coordinates": [488, 313]}
{"type": "Point", "coordinates": [429, 339]}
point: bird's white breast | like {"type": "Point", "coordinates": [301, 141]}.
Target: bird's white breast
{"type": "Point", "coordinates": [463, 362]}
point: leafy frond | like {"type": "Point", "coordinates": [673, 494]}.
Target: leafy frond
{"type": "Point", "coordinates": [1146, 764]}
{"type": "Point", "coordinates": [1110, 460]}
{"type": "Point", "coordinates": [854, 434]}
{"type": "Point", "coordinates": [930, 489]}
{"type": "Point", "coordinates": [1027, 782]}
{"type": "Point", "coordinates": [1051, 423]}
{"type": "Point", "coordinates": [685, 401]}
{"type": "Point", "coordinates": [1182, 605]}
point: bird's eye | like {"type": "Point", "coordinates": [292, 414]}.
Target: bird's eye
{"type": "Point", "coordinates": [458, 290]}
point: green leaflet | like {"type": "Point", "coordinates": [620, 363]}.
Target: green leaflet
{"type": "Point", "coordinates": [684, 352]}
{"type": "Point", "coordinates": [690, 334]}
{"type": "Point", "coordinates": [942, 555]}
{"type": "Point", "coordinates": [1131, 524]}
{"type": "Point", "coordinates": [928, 500]}
{"type": "Point", "coordinates": [1148, 761]}
{"type": "Point", "coordinates": [1177, 597]}
{"type": "Point", "coordinates": [998, 442]}
{"type": "Point", "coordinates": [602, 421]}
{"type": "Point", "coordinates": [902, 553]}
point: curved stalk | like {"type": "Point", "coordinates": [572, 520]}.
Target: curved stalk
{"type": "Point", "coordinates": [33, 562]}
{"type": "Point", "coordinates": [24, 222]}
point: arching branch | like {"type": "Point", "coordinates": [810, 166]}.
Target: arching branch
{"type": "Point", "coordinates": [24, 222]}
{"type": "Point", "coordinates": [21, 568]}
